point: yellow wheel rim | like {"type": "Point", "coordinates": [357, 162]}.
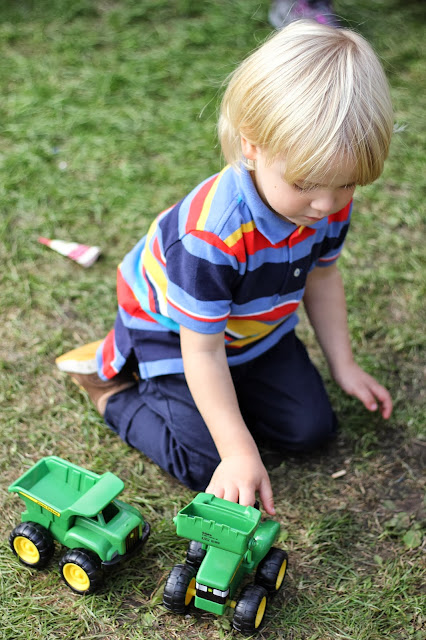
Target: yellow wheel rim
{"type": "Point", "coordinates": [260, 612]}
{"type": "Point", "coordinates": [26, 550]}
{"type": "Point", "coordinates": [76, 577]}
{"type": "Point", "coordinates": [281, 574]}
{"type": "Point", "coordinates": [190, 592]}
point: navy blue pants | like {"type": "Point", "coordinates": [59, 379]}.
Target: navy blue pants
{"type": "Point", "coordinates": [281, 396]}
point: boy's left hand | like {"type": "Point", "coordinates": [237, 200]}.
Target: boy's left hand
{"type": "Point", "coordinates": [357, 382]}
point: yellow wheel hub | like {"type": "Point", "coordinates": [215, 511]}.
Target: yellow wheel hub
{"type": "Point", "coordinates": [190, 592]}
{"type": "Point", "coordinates": [26, 550]}
{"type": "Point", "coordinates": [281, 575]}
{"type": "Point", "coordinates": [76, 577]}
{"type": "Point", "coordinates": [260, 612]}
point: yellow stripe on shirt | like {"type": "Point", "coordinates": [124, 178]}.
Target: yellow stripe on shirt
{"type": "Point", "coordinates": [254, 329]}
{"type": "Point", "coordinates": [201, 222]}
{"type": "Point", "coordinates": [238, 234]}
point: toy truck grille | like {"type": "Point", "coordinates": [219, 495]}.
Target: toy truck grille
{"type": "Point", "coordinates": [132, 539]}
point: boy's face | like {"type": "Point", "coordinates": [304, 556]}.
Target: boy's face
{"type": "Point", "coordinates": [301, 203]}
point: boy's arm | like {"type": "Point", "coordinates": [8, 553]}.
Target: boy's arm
{"type": "Point", "coordinates": [325, 305]}
{"type": "Point", "coordinates": [241, 472]}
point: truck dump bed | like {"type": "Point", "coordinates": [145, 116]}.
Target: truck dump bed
{"type": "Point", "coordinates": [217, 523]}
{"type": "Point", "coordinates": [66, 489]}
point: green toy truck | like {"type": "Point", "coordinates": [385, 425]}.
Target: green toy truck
{"type": "Point", "coordinates": [79, 509]}
{"type": "Point", "coordinates": [228, 541]}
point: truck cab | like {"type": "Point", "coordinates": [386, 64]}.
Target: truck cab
{"type": "Point", "coordinates": [228, 541]}
{"type": "Point", "coordinates": [80, 510]}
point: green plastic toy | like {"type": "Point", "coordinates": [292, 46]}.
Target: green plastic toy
{"type": "Point", "coordinates": [228, 541]}
{"type": "Point", "coordinates": [79, 509]}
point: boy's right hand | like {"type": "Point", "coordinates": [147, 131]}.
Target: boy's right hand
{"type": "Point", "coordinates": [237, 478]}
{"type": "Point", "coordinates": [239, 475]}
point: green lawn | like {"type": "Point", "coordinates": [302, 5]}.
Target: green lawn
{"type": "Point", "coordinates": [107, 116]}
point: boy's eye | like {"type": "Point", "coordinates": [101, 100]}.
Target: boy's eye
{"type": "Point", "coordinates": [312, 187]}
{"type": "Point", "coordinates": [297, 187]}
{"type": "Point", "coordinates": [304, 188]}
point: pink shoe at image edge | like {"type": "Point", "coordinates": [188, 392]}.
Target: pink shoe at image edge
{"type": "Point", "coordinates": [283, 12]}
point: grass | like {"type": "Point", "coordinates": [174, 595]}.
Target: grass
{"type": "Point", "coordinates": [107, 116]}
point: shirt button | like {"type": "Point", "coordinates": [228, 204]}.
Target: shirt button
{"type": "Point", "coordinates": [296, 273]}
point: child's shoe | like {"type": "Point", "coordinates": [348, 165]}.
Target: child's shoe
{"type": "Point", "coordinates": [80, 360]}
{"type": "Point", "coordinates": [80, 363]}
{"type": "Point", "coordinates": [282, 12]}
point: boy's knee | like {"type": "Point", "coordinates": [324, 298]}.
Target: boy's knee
{"type": "Point", "coordinates": [301, 434]}
{"type": "Point", "coordinates": [191, 468]}
{"type": "Point", "coordinates": [141, 424]}
{"type": "Point", "coordinates": [198, 474]}
{"type": "Point", "coordinates": [313, 432]}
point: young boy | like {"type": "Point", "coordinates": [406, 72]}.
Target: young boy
{"type": "Point", "coordinates": [208, 299]}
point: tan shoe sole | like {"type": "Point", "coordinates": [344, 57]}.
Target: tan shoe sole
{"type": "Point", "coordinates": [80, 360]}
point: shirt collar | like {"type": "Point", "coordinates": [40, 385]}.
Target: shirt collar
{"type": "Point", "coordinates": [274, 228]}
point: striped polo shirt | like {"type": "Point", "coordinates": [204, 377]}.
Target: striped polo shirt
{"type": "Point", "coordinates": [218, 260]}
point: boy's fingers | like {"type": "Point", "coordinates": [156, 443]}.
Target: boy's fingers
{"type": "Point", "coordinates": [266, 496]}
{"type": "Point", "coordinates": [366, 398]}
{"type": "Point", "coordinates": [387, 409]}
{"type": "Point", "coordinates": [219, 493]}
{"type": "Point", "coordinates": [231, 494]}
{"type": "Point", "coordinates": [386, 403]}
{"type": "Point", "coordinates": [247, 497]}
{"type": "Point", "coordinates": [384, 398]}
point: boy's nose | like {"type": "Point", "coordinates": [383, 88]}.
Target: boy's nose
{"type": "Point", "coordinates": [324, 203]}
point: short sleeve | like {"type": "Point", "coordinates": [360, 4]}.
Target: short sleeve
{"type": "Point", "coordinates": [201, 272]}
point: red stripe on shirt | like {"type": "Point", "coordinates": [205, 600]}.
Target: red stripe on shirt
{"type": "Point", "coordinates": [157, 252]}
{"type": "Point", "coordinates": [253, 241]}
{"type": "Point", "coordinates": [213, 240]}
{"type": "Point", "coordinates": [248, 244]}
{"type": "Point", "coordinates": [341, 215]}
{"type": "Point", "coordinates": [331, 258]}
{"type": "Point", "coordinates": [275, 314]}
{"type": "Point", "coordinates": [128, 301]}
{"type": "Point", "coordinates": [197, 204]}
{"type": "Point", "coordinates": [198, 317]}
{"type": "Point", "coordinates": [151, 297]}
{"type": "Point", "coordinates": [108, 355]}
{"type": "Point", "coordinates": [300, 236]}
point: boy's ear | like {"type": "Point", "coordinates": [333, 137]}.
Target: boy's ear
{"type": "Point", "coordinates": [250, 151]}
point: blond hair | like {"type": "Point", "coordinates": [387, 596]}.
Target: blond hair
{"type": "Point", "coordinates": [310, 94]}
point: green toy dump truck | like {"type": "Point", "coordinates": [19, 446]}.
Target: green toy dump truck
{"type": "Point", "coordinates": [79, 509]}
{"type": "Point", "coordinates": [228, 541]}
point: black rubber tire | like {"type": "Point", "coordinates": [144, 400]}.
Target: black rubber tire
{"type": "Point", "coordinates": [41, 539]}
{"type": "Point", "coordinates": [88, 562]}
{"type": "Point", "coordinates": [250, 603]}
{"type": "Point", "coordinates": [176, 587]}
{"type": "Point", "coordinates": [270, 571]}
{"type": "Point", "coordinates": [195, 554]}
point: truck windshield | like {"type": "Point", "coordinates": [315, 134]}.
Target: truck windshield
{"type": "Point", "coordinates": [110, 512]}
{"type": "Point", "coordinates": [105, 516]}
